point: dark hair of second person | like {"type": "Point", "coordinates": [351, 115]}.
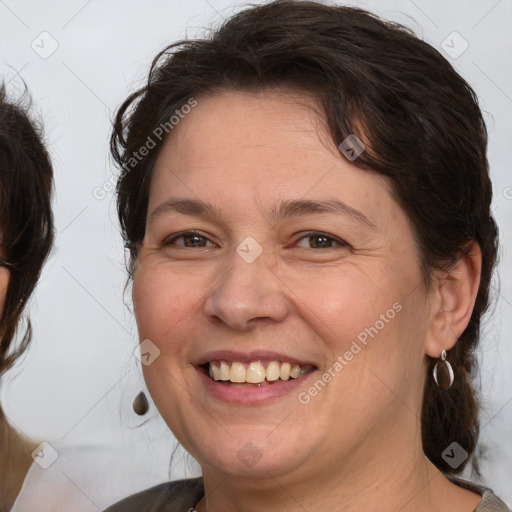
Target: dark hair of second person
{"type": "Point", "coordinates": [26, 236]}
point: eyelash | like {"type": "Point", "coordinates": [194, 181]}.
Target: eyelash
{"type": "Point", "coordinates": [310, 234]}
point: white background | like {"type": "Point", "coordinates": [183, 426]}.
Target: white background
{"type": "Point", "coordinates": [77, 381]}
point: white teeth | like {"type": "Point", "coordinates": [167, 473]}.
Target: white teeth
{"type": "Point", "coordinates": [284, 373]}
{"type": "Point", "coordinates": [224, 371]}
{"type": "Point", "coordinates": [214, 371]}
{"type": "Point", "coordinates": [237, 373]}
{"type": "Point", "coordinates": [273, 371]}
{"type": "Point", "coordinates": [295, 371]}
{"type": "Point", "coordinates": [255, 373]}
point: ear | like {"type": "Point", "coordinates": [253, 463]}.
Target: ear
{"type": "Point", "coordinates": [453, 299]}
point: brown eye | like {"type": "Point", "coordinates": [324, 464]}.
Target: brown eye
{"type": "Point", "coordinates": [322, 241]}
{"type": "Point", "coordinates": [191, 239]}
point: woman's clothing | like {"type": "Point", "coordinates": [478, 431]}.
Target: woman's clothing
{"type": "Point", "coordinates": [183, 496]}
{"type": "Point", "coordinates": [179, 496]}
{"type": "Point", "coordinates": [489, 503]}
{"type": "Point", "coordinates": [85, 478]}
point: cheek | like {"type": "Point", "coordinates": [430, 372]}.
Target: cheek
{"type": "Point", "coordinates": [369, 318]}
{"type": "Point", "coordinates": [161, 301]}
{"type": "Point", "coordinates": [161, 309]}
{"type": "Point", "coordinates": [345, 304]}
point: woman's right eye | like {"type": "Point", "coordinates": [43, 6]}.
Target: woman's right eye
{"type": "Point", "coordinates": [190, 239]}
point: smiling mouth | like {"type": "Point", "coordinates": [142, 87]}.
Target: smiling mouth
{"type": "Point", "coordinates": [255, 373]}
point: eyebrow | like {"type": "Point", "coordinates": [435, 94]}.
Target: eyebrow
{"type": "Point", "coordinates": [283, 210]}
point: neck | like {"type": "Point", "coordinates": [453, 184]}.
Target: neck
{"type": "Point", "coordinates": [383, 474]}
{"type": "Point", "coordinates": [15, 461]}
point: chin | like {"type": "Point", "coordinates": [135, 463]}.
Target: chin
{"type": "Point", "coordinates": [252, 456]}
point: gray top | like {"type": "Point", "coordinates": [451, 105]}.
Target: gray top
{"type": "Point", "coordinates": [489, 503]}
{"type": "Point", "coordinates": [183, 495]}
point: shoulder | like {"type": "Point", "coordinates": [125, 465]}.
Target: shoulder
{"type": "Point", "coordinates": [489, 503]}
{"type": "Point", "coordinates": [73, 476]}
{"type": "Point", "coordinates": [181, 495]}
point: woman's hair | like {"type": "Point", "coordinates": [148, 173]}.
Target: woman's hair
{"type": "Point", "coordinates": [26, 222]}
{"type": "Point", "coordinates": [420, 122]}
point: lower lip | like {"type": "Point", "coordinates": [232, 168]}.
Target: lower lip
{"type": "Point", "coordinates": [250, 395]}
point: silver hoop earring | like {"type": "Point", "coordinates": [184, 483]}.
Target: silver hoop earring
{"type": "Point", "coordinates": [443, 373]}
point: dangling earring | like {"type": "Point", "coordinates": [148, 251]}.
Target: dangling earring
{"type": "Point", "coordinates": [140, 404]}
{"type": "Point", "coordinates": [443, 372]}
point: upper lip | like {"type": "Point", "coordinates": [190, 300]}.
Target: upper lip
{"type": "Point", "coordinates": [247, 357]}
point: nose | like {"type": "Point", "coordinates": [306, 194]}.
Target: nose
{"type": "Point", "coordinates": [247, 295]}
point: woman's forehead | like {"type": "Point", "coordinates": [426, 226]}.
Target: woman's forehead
{"type": "Point", "coordinates": [241, 142]}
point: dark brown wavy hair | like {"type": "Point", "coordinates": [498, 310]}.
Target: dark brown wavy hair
{"type": "Point", "coordinates": [26, 222]}
{"type": "Point", "coordinates": [420, 120]}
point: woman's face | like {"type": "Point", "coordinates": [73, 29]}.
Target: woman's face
{"type": "Point", "coordinates": [303, 260]}
{"type": "Point", "coordinates": [4, 282]}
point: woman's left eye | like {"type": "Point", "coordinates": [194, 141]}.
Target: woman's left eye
{"type": "Point", "coordinates": [322, 241]}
